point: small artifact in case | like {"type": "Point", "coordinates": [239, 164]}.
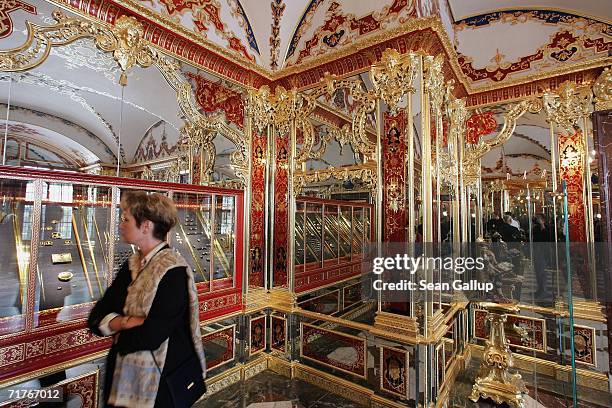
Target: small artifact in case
{"type": "Point", "coordinates": [61, 258]}
{"type": "Point", "coordinates": [56, 235]}
{"type": "Point", "coordinates": [65, 276]}
{"type": "Point", "coordinates": [46, 243]}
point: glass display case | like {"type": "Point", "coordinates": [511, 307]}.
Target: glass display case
{"type": "Point", "coordinates": [61, 250]}
{"type": "Point", "coordinates": [331, 238]}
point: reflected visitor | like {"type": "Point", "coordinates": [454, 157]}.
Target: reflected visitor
{"type": "Point", "coordinates": [508, 232]}
{"type": "Point", "coordinates": [540, 234]}
{"type": "Point", "coordinates": [151, 310]}
{"type": "Point", "coordinates": [514, 222]}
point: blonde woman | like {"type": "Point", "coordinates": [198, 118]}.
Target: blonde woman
{"type": "Point", "coordinates": [151, 310]}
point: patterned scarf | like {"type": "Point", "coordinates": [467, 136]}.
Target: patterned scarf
{"type": "Point", "coordinates": [136, 376]}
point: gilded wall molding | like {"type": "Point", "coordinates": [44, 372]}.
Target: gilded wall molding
{"type": "Point", "coordinates": [365, 173]}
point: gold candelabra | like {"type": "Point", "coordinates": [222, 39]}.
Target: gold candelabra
{"type": "Point", "coordinates": [494, 380]}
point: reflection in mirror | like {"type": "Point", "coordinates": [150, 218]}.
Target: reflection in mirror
{"type": "Point", "coordinates": [65, 113]}
{"type": "Point", "coordinates": [16, 235]}
{"type": "Point", "coordinates": [224, 240]}
{"type": "Point", "coordinates": [521, 210]}
{"type": "Point", "coordinates": [192, 236]}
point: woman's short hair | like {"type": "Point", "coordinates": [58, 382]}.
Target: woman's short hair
{"type": "Point", "coordinates": [157, 208]}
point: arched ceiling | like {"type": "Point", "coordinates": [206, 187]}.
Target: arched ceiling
{"type": "Point", "coordinates": [497, 43]}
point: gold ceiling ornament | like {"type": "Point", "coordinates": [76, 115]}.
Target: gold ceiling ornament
{"type": "Point", "coordinates": [602, 88]}
{"type": "Point", "coordinates": [40, 39]}
{"type": "Point", "coordinates": [268, 108]}
{"type": "Point", "coordinates": [567, 106]}
{"type": "Point", "coordinates": [393, 77]}
{"type": "Point", "coordinates": [125, 40]}
{"type": "Point", "coordinates": [435, 82]}
{"type": "Point", "coordinates": [365, 173]}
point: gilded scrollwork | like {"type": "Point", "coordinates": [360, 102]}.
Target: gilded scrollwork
{"type": "Point", "coordinates": [568, 106]}
{"type": "Point", "coordinates": [434, 82]}
{"type": "Point", "coordinates": [366, 174]}
{"type": "Point", "coordinates": [474, 152]}
{"type": "Point", "coordinates": [276, 108]}
{"type": "Point", "coordinates": [394, 76]}
{"type": "Point", "coordinates": [40, 39]}
{"type": "Point", "coordinates": [366, 103]}
{"type": "Point", "coordinates": [602, 88]}
{"type": "Point", "coordinates": [200, 130]}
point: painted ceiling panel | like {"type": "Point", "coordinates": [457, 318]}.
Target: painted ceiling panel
{"type": "Point", "coordinates": [222, 22]}
{"type": "Point", "coordinates": [502, 47]}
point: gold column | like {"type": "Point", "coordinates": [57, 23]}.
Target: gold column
{"type": "Point", "coordinates": [587, 181]}
{"type": "Point", "coordinates": [589, 214]}
{"type": "Point", "coordinates": [426, 179]}
{"type": "Point", "coordinates": [379, 176]}
{"type": "Point", "coordinates": [410, 184]}
{"type": "Point", "coordinates": [248, 128]}
{"type": "Point", "coordinates": [410, 187]}
{"type": "Point", "coordinates": [456, 193]}
{"type": "Point", "coordinates": [553, 162]}
{"type": "Point", "coordinates": [463, 195]}
{"type": "Point", "coordinates": [269, 206]}
{"type": "Point", "coordinates": [479, 209]}
{"type": "Point", "coordinates": [292, 207]}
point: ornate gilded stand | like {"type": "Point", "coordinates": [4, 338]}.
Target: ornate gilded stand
{"type": "Point", "coordinates": [494, 380]}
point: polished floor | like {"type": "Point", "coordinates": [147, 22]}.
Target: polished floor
{"type": "Point", "coordinates": [271, 390]}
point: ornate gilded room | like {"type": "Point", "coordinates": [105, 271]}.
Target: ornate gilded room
{"type": "Point", "coordinates": [305, 143]}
